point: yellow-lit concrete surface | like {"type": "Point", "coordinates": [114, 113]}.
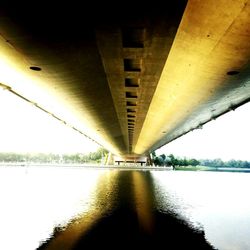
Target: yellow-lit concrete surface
{"type": "Point", "coordinates": [132, 78]}
{"type": "Point", "coordinates": [212, 40]}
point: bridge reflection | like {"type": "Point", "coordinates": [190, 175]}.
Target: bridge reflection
{"type": "Point", "coordinates": [124, 215]}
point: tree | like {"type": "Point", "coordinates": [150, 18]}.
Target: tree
{"type": "Point", "coordinates": [194, 162]}
{"type": "Point", "coordinates": [163, 157]}
{"type": "Point", "coordinates": [173, 161]}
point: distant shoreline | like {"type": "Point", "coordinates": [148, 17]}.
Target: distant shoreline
{"type": "Point", "coordinates": [124, 167]}
{"type": "Point", "coordinates": [94, 166]}
{"type": "Point", "coordinates": [212, 169]}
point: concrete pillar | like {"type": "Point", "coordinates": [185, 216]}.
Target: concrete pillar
{"type": "Point", "coordinates": [149, 160]}
{"type": "Point", "coordinates": [110, 159]}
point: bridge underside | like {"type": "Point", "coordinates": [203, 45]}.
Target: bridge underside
{"type": "Point", "coordinates": [132, 79]}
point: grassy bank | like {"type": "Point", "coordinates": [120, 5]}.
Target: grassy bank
{"type": "Point", "coordinates": [194, 168]}
{"type": "Point", "coordinates": [203, 168]}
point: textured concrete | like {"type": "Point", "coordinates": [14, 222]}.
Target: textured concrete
{"type": "Point", "coordinates": [132, 77]}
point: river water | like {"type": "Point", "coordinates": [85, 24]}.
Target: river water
{"type": "Point", "coordinates": [82, 208]}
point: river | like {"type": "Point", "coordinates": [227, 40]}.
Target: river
{"type": "Point", "coordinates": [82, 208]}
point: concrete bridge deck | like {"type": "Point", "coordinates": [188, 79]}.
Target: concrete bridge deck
{"type": "Point", "coordinates": [132, 77]}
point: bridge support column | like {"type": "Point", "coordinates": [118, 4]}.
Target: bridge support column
{"type": "Point", "coordinates": [149, 160]}
{"type": "Point", "coordinates": [110, 159]}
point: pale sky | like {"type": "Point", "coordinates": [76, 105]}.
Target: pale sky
{"type": "Point", "coordinates": [24, 128]}
{"type": "Point", "coordinates": [227, 137]}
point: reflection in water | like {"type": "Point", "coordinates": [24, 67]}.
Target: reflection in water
{"type": "Point", "coordinates": [217, 202]}
{"type": "Point", "coordinates": [75, 208]}
{"type": "Point", "coordinates": [144, 201]}
{"type": "Point", "coordinates": [37, 201]}
{"type": "Point", "coordinates": [123, 215]}
{"type": "Point", "coordinates": [65, 238]}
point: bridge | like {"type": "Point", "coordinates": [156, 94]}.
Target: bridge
{"type": "Point", "coordinates": [131, 76]}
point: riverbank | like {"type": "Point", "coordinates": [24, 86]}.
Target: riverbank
{"type": "Point", "coordinates": [125, 167]}
{"type": "Point", "coordinates": [87, 165]}
{"type": "Point", "coordinates": [214, 169]}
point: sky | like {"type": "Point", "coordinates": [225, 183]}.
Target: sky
{"type": "Point", "coordinates": [227, 137]}
{"type": "Point", "coordinates": [24, 128]}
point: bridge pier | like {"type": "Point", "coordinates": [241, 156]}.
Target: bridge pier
{"type": "Point", "coordinates": [149, 160]}
{"type": "Point", "coordinates": [110, 159]}
{"type": "Point", "coordinates": [131, 160]}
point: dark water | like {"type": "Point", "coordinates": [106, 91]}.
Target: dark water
{"type": "Point", "coordinates": [72, 208]}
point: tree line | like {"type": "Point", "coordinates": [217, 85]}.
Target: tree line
{"type": "Point", "coordinates": [171, 160]}
{"type": "Point", "coordinates": [101, 154]}
{"type": "Point", "coordinates": [94, 157]}
{"type": "Point", "coordinates": [218, 163]}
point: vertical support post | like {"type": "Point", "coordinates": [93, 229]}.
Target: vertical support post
{"type": "Point", "coordinates": [110, 160]}
{"type": "Point", "coordinates": [149, 160]}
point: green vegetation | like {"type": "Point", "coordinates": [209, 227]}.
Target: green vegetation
{"type": "Point", "coordinates": [92, 157]}
{"type": "Point", "coordinates": [101, 155]}
{"type": "Point", "coordinates": [194, 168]}
{"type": "Point", "coordinates": [194, 164]}
{"type": "Point", "coordinates": [218, 163]}
{"type": "Point", "coordinates": [171, 160]}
